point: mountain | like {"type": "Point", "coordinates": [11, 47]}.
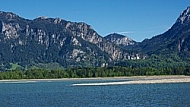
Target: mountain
{"type": "Point", "coordinates": [120, 40]}
{"type": "Point", "coordinates": [54, 40]}
{"type": "Point", "coordinates": [174, 41]}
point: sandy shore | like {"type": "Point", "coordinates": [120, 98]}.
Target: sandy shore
{"type": "Point", "coordinates": [129, 80]}
{"type": "Point", "coordinates": [143, 80]}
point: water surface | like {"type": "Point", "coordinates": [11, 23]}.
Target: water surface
{"type": "Point", "coordinates": [63, 94]}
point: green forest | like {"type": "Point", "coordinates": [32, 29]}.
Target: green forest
{"type": "Point", "coordinates": [155, 65]}
{"type": "Point", "coordinates": [92, 72]}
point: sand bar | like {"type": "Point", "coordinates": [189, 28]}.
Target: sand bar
{"type": "Point", "coordinates": [144, 80]}
{"type": "Point", "coordinates": [129, 80]}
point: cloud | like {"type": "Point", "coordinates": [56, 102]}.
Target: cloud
{"type": "Point", "coordinates": [125, 32]}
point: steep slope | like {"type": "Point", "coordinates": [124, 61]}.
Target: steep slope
{"type": "Point", "coordinates": [175, 40]}
{"type": "Point", "coordinates": [50, 40]}
{"type": "Point", "coordinates": [120, 40]}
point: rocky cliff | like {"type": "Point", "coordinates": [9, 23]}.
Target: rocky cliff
{"type": "Point", "coordinates": [49, 40]}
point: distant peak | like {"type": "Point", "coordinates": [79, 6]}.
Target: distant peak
{"type": "Point", "coordinates": [120, 39]}
{"type": "Point", "coordinates": [184, 16]}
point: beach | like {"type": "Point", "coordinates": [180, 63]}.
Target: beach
{"type": "Point", "coordinates": [142, 80]}
{"type": "Point", "coordinates": [125, 80]}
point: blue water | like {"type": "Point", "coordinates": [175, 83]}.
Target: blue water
{"type": "Point", "coordinates": [63, 94]}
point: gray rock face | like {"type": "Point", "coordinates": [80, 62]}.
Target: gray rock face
{"type": "Point", "coordinates": [55, 40]}
{"type": "Point", "coordinates": [120, 39]}
{"type": "Point", "coordinates": [184, 16]}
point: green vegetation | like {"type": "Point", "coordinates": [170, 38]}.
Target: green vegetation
{"type": "Point", "coordinates": [92, 72]}
{"type": "Point", "coordinates": [14, 66]}
{"type": "Point", "coordinates": [153, 65]}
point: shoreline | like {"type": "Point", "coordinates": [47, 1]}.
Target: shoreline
{"type": "Point", "coordinates": [140, 81]}
{"type": "Point", "coordinates": [125, 80]}
{"type": "Point", "coordinates": [97, 78]}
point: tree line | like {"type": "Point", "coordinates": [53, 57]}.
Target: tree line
{"type": "Point", "coordinates": [92, 72]}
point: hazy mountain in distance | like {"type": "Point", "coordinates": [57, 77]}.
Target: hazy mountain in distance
{"type": "Point", "coordinates": [120, 40]}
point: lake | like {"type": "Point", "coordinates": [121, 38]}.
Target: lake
{"type": "Point", "coordinates": [64, 94]}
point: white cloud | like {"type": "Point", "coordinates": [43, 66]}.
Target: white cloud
{"type": "Point", "coordinates": [125, 32]}
{"type": "Point", "coordinates": [122, 32]}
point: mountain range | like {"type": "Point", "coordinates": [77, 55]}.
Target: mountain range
{"type": "Point", "coordinates": [45, 40]}
{"type": "Point", "coordinates": [53, 40]}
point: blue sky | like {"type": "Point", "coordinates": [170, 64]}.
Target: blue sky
{"type": "Point", "coordinates": [137, 19]}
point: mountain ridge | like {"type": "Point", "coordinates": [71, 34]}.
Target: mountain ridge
{"type": "Point", "coordinates": [49, 40]}
{"type": "Point", "coordinates": [175, 39]}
